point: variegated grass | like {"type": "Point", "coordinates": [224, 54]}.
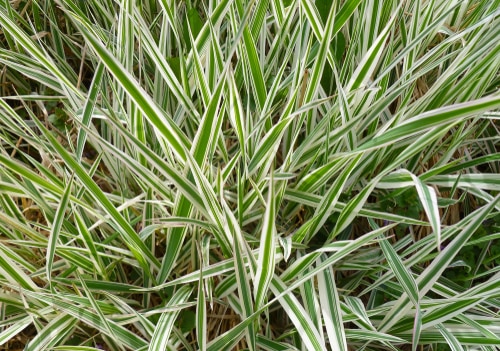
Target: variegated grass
{"type": "Point", "coordinates": [258, 175]}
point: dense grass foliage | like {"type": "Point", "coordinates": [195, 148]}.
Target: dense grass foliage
{"type": "Point", "coordinates": [260, 175]}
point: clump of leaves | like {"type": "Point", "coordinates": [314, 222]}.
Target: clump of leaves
{"type": "Point", "coordinates": [249, 175]}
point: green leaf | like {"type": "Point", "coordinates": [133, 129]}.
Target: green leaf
{"type": "Point", "coordinates": [56, 228]}
{"type": "Point", "coordinates": [163, 328]}
{"type": "Point", "coordinates": [266, 258]}
{"type": "Point", "coordinates": [330, 309]}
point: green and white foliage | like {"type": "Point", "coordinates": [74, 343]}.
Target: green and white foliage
{"type": "Point", "coordinates": [240, 174]}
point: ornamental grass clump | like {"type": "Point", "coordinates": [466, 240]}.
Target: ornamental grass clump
{"type": "Point", "coordinates": [258, 175]}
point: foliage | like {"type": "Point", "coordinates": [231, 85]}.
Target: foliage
{"type": "Point", "coordinates": [261, 175]}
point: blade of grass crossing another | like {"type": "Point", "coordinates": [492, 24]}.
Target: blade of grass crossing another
{"type": "Point", "coordinates": [270, 143]}
{"type": "Point", "coordinates": [448, 311]}
{"type": "Point", "coordinates": [11, 271]}
{"type": "Point", "coordinates": [56, 228]}
{"type": "Point", "coordinates": [369, 62]}
{"type": "Point", "coordinates": [328, 201]}
{"type": "Point", "coordinates": [309, 299]}
{"type": "Point", "coordinates": [340, 19]}
{"type": "Point", "coordinates": [163, 329]}
{"type": "Point", "coordinates": [208, 131]}
{"type": "Point", "coordinates": [353, 207]}
{"type": "Point", "coordinates": [175, 239]}
{"type": "Point", "coordinates": [88, 109]}
{"type": "Point", "coordinates": [10, 27]}
{"type": "Point", "coordinates": [10, 332]}
{"type": "Point", "coordinates": [428, 198]}
{"type": "Point", "coordinates": [199, 73]}
{"type": "Point", "coordinates": [105, 325]}
{"type": "Point", "coordinates": [267, 248]}
{"type": "Point", "coordinates": [280, 290]}
{"type": "Point", "coordinates": [431, 274]}
{"type": "Point", "coordinates": [171, 133]}
{"type": "Point", "coordinates": [402, 274]}
{"type": "Point", "coordinates": [405, 278]}
{"type": "Point", "coordinates": [250, 56]}
{"type": "Point", "coordinates": [143, 255]}
{"type": "Point", "coordinates": [314, 82]}
{"type": "Point", "coordinates": [305, 326]}
{"type": "Point", "coordinates": [85, 315]}
{"type": "Point", "coordinates": [434, 118]}
{"type": "Point", "coordinates": [269, 345]}
{"type": "Point", "coordinates": [200, 151]}
{"type": "Point", "coordinates": [163, 69]}
{"type": "Point", "coordinates": [330, 309]}
{"type": "Point", "coordinates": [236, 114]}
{"type": "Point", "coordinates": [212, 206]}
{"type": "Point", "coordinates": [452, 341]}
{"type": "Point", "coordinates": [201, 315]}
{"type": "Point", "coordinates": [242, 278]}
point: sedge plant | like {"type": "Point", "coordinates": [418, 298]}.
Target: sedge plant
{"type": "Point", "coordinates": [249, 175]}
